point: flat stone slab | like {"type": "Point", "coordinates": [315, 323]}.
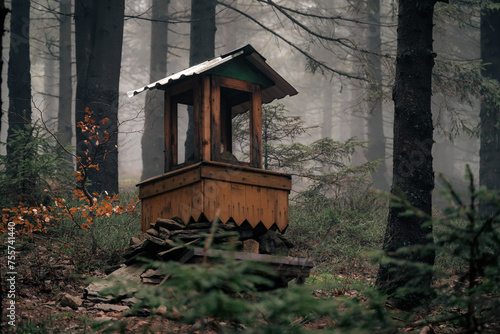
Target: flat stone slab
{"type": "Point", "coordinates": [111, 307]}
{"type": "Point", "coordinates": [132, 273]}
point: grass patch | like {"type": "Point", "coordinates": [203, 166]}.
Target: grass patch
{"type": "Point", "coordinates": [338, 236]}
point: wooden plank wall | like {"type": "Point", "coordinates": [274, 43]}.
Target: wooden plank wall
{"type": "Point", "coordinates": [185, 202]}
{"type": "Point", "coordinates": [220, 199]}
{"type": "Point", "coordinates": [217, 190]}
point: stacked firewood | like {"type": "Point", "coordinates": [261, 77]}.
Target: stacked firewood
{"type": "Point", "coordinates": [169, 239]}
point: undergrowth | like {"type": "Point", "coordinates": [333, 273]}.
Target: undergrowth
{"type": "Point", "coordinates": [338, 233]}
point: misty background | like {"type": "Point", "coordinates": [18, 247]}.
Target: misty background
{"type": "Point", "coordinates": [334, 100]}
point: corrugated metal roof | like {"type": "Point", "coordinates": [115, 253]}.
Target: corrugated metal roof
{"type": "Point", "coordinates": [280, 89]}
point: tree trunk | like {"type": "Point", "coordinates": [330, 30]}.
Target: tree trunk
{"type": "Point", "coordinates": [49, 113]}
{"type": "Point", "coordinates": [99, 36]}
{"type": "Point", "coordinates": [64, 126]}
{"type": "Point", "coordinates": [18, 76]}
{"type": "Point", "coordinates": [413, 176]}
{"type": "Point", "coordinates": [375, 123]}
{"type": "Point", "coordinates": [489, 153]}
{"type": "Point", "coordinates": [19, 83]}
{"type": "Point", "coordinates": [202, 47]}
{"type": "Point", "coordinates": [3, 13]}
{"type": "Point", "coordinates": [152, 138]}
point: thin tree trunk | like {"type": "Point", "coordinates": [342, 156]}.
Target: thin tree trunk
{"type": "Point", "coordinates": [99, 36]}
{"type": "Point", "coordinates": [357, 128]}
{"type": "Point", "coordinates": [152, 139]}
{"type": "Point", "coordinates": [202, 47]}
{"type": "Point", "coordinates": [327, 126]}
{"type": "Point", "coordinates": [64, 125]}
{"type": "Point", "coordinates": [375, 123]}
{"type": "Point", "coordinates": [413, 176]}
{"type": "Point", "coordinates": [49, 112]}
{"type": "Point", "coordinates": [489, 153]}
{"type": "Point", "coordinates": [3, 13]}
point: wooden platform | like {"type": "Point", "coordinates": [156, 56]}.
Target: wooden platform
{"type": "Point", "coordinates": [286, 268]}
{"type": "Point", "coordinates": [207, 189]}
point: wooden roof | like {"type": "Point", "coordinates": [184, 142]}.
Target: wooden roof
{"type": "Point", "coordinates": [244, 63]}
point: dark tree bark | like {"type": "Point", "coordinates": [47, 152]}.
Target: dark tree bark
{"type": "Point", "coordinates": [413, 176]}
{"type": "Point", "coordinates": [64, 126]}
{"type": "Point", "coordinates": [19, 84]}
{"type": "Point", "coordinates": [375, 123]}
{"type": "Point", "coordinates": [99, 36]}
{"type": "Point", "coordinates": [18, 76]}
{"type": "Point", "coordinates": [202, 47]}
{"type": "Point", "coordinates": [3, 13]}
{"type": "Point", "coordinates": [489, 153]}
{"type": "Point", "coordinates": [152, 139]}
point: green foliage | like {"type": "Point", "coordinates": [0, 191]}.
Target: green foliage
{"type": "Point", "coordinates": [466, 84]}
{"type": "Point", "coordinates": [338, 231]}
{"type": "Point", "coordinates": [34, 327]}
{"type": "Point", "coordinates": [277, 128]}
{"type": "Point", "coordinates": [475, 296]}
{"type": "Point", "coordinates": [227, 297]}
{"type": "Point", "coordinates": [469, 232]}
{"type": "Point", "coordinates": [324, 162]}
{"type": "Point", "coordinates": [32, 170]}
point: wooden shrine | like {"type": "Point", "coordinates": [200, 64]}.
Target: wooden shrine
{"type": "Point", "coordinates": [211, 182]}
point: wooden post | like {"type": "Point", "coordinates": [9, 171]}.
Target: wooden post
{"type": "Point", "coordinates": [197, 120]}
{"type": "Point", "coordinates": [205, 118]}
{"type": "Point", "coordinates": [256, 128]}
{"type": "Point", "coordinates": [215, 115]}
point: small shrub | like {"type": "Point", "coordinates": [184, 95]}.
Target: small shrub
{"type": "Point", "coordinates": [33, 169]}
{"type": "Point", "coordinates": [467, 295]}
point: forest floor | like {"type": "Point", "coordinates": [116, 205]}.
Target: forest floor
{"type": "Point", "coordinates": [46, 273]}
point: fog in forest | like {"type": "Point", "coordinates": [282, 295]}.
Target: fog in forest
{"type": "Point", "coordinates": [331, 98]}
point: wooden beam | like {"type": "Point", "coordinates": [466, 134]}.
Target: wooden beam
{"type": "Point", "coordinates": [171, 181]}
{"type": "Point", "coordinates": [241, 175]}
{"type": "Point", "coordinates": [182, 87]}
{"type": "Point", "coordinates": [237, 84]}
{"type": "Point", "coordinates": [256, 129]}
{"type": "Point", "coordinates": [215, 115]}
{"type": "Point", "coordinates": [197, 120]}
{"type": "Point", "coordinates": [205, 118]}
